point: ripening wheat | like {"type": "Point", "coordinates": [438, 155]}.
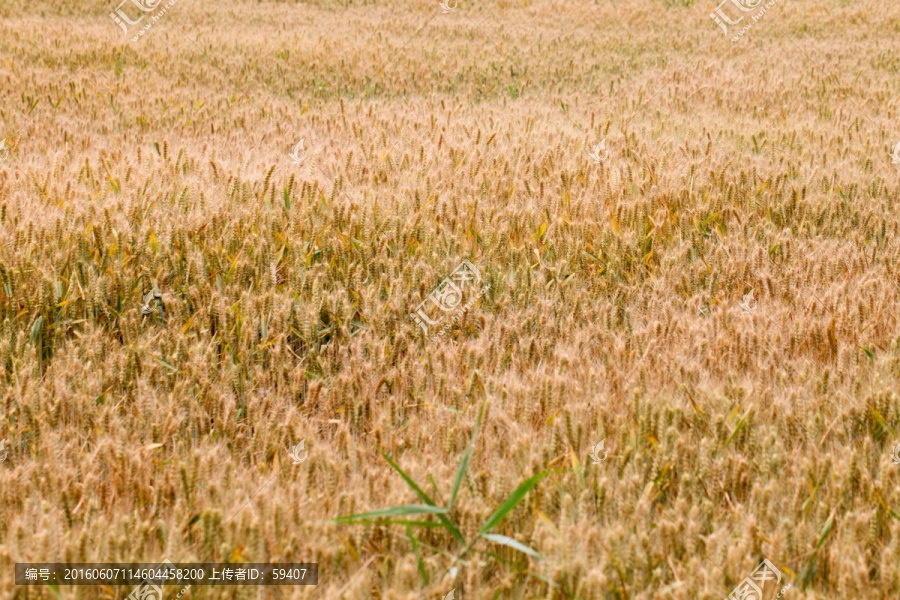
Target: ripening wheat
{"type": "Point", "coordinates": [690, 252]}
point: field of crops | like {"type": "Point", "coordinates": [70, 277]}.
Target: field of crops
{"type": "Point", "coordinates": [587, 299]}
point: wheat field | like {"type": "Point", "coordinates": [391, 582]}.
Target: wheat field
{"type": "Point", "coordinates": [684, 355]}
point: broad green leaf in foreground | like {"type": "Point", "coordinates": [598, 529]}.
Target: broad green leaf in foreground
{"type": "Point", "coordinates": [426, 499]}
{"type": "Point", "coordinates": [511, 502]}
{"type": "Point", "coordinates": [394, 511]}
{"type": "Point", "coordinates": [508, 541]}
{"type": "Point", "coordinates": [460, 473]}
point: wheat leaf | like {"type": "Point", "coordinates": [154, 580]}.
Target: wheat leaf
{"type": "Point", "coordinates": [454, 531]}
{"type": "Point", "coordinates": [394, 511]}
{"type": "Point", "coordinates": [512, 501]}
{"type": "Point", "coordinates": [508, 541]}
{"type": "Point", "coordinates": [460, 473]}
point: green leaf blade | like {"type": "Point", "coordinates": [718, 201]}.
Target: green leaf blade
{"type": "Point", "coordinates": [394, 511]}
{"type": "Point", "coordinates": [508, 541]}
{"type": "Point", "coordinates": [460, 473]}
{"type": "Point", "coordinates": [511, 502]}
{"type": "Point", "coordinates": [448, 525]}
{"type": "Point", "coordinates": [420, 564]}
